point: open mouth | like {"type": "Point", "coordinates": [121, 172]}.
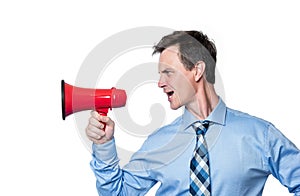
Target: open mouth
{"type": "Point", "coordinates": [170, 94]}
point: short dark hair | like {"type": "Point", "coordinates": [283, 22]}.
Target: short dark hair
{"type": "Point", "coordinates": [193, 46]}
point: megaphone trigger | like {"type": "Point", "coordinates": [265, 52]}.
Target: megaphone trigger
{"type": "Point", "coordinates": [103, 112]}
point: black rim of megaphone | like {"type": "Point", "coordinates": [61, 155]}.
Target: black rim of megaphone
{"type": "Point", "coordinates": [63, 99]}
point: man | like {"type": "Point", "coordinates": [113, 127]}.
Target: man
{"type": "Point", "coordinates": [209, 150]}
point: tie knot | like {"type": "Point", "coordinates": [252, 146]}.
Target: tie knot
{"type": "Point", "coordinates": [201, 127]}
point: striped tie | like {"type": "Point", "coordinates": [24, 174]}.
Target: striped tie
{"type": "Point", "coordinates": [199, 173]}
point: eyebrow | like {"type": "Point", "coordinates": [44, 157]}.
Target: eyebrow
{"type": "Point", "coordinates": [166, 70]}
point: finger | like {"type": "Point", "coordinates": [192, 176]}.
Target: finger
{"type": "Point", "coordinates": [95, 130]}
{"type": "Point", "coordinates": [98, 138]}
{"type": "Point", "coordinates": [96, 123]}
{"type": "Point", "coordinates": [93, 136]}
{"type": "Point", "coordinates": [94, 133]}
{"type": "Point", "coordinates": [95, 115]}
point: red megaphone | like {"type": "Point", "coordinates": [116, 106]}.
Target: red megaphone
{"type": "Point", "coordinates": [75, 99]}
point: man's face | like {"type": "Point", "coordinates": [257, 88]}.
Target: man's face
{"type": "Point", "coordinates": [177, 82]}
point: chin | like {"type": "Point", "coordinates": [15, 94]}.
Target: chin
{"type": "Point", "coordinates": [174, 107]}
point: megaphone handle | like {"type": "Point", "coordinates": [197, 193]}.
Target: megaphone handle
{"type": "Point", "coordinates": [103, 112]}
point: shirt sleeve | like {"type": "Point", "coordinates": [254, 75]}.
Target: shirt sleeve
{"type": "Point", "coordinates": [283, 159]}
{"type": "Point", "coordinates": [113, 180]}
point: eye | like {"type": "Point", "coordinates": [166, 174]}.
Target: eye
{"type": "Point", "coordinates": [168, 72]}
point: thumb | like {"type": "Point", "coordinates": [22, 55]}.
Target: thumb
{"type": "Point", "coordinates": [104, 119]}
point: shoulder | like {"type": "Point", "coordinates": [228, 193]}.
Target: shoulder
{"type": "Point", "coordinates": [244, 124]}
{"type": "Point", "coordinates": [245, 121]}
{"type": "Point", "coordinates": [243, 116]}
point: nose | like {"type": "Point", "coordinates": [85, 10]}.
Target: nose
{"type": "Point", "coordinates": [161, 83]}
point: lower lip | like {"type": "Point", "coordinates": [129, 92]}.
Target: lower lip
{"type": "Point", "coordinates": [169, 98]}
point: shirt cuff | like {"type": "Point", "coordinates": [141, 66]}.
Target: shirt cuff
{"type": "Point", "coordinates": [106, 152]}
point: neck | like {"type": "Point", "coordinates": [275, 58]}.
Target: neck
{"type": "Point", "coordinates": [205, 101]}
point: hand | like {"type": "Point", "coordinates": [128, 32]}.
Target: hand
{"type": "Point", "coordinates": [95, 129]}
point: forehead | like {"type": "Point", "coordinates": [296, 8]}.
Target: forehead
{"type": "Point", "coordinates": [170, 58]}
{"type": "Point", "coordinates": [171, 51]}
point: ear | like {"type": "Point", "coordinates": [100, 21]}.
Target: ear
{"type": "Point", "coordinates": [199, 70]}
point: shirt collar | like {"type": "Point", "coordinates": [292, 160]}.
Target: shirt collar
{"type": "Point", "coordinates": [217, 116]}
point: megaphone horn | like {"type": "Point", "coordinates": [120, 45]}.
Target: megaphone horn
{"type": "Point", "coordinates": [75, 99]}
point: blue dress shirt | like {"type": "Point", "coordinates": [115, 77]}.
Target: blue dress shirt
{"type": "Point", "coordinates": [243, 151]}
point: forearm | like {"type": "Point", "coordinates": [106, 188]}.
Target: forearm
{"type": "Point", "coordinates": [111, 179]}
{"type": "Point", "coordinates": [105, 165]}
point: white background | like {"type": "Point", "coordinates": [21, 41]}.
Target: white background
{"type": "Point", "coordinates": [42, 42]}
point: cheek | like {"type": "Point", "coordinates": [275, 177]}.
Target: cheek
{"type": "Point", "coordinates": [185, 90]}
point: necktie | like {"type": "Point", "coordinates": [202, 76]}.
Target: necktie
{"type": "Point", "coordinates": [199, 167]}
